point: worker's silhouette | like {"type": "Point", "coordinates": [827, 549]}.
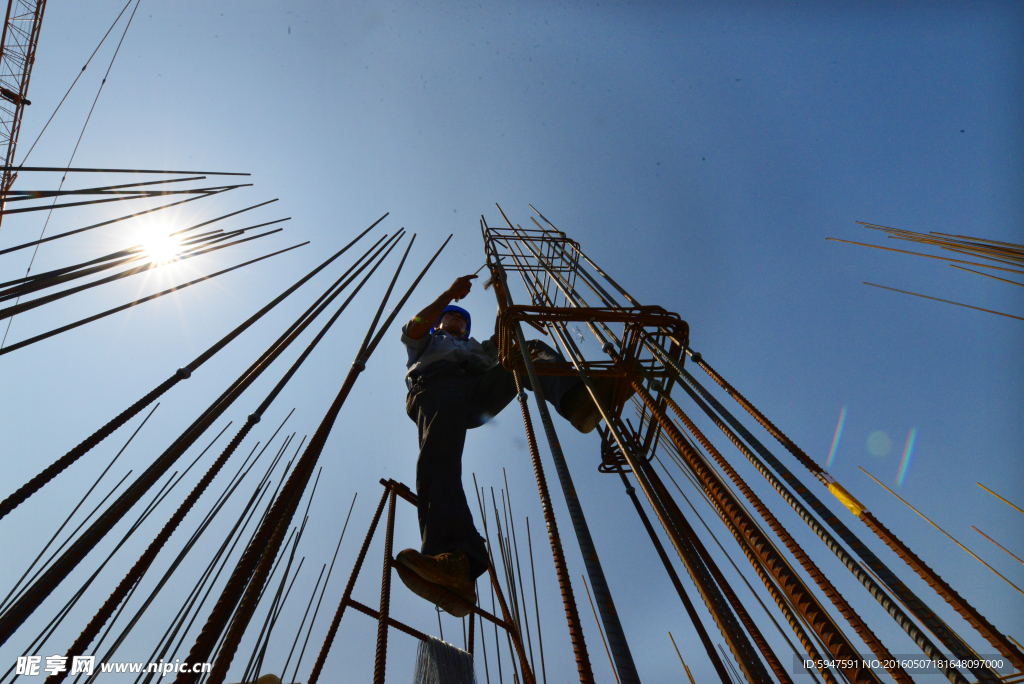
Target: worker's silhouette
{"type": "Point", "coordinates": [457, 384]}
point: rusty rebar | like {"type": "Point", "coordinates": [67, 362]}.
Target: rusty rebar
{"type": "Point", "coordinates": [312, 620]}
{"type": "Point", "coordinates": [253, 567]}
{"type": "Point", "coordinates": [51, 471]}
{"type": "Point", "coordinates": [829, 589]}
{"type": "Point", "coordinates": [773, 590]}
{"type": "Point", "coordinates": [572, 616]}
{"type": "Point", "coordinates": [381, 658]}
{"type": "Point", "coordinates": [1012, 554]}
{"type": "Point", "coordinates": [965, 609]}
{"type": "Point", "coordinates": [691, 610]}
{"type": "Point", "coordinates": [58, 236]}
{"type": "Point", "coordinates": [699, 573]}
{"type": "Point", "coordinates": [744, 529]}
{"type": "Point", "coordinates": [914, 604]}
{"type": "Point", "coordinates": [616, 637]}
{"type": "Point", "coordinates": [741, 612]}
{"type": "Point", "coordinates": [510, 629]}
{"type": "Point", "coordinates": [314, 676]}
{"type": "Point", "coordinates": [149, 555]}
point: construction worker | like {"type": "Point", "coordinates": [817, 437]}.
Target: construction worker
{"type": "Point", "coordinates": [457, 384]}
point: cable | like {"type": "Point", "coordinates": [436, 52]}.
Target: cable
{"type": "Point", "coordinates": [73, 83]}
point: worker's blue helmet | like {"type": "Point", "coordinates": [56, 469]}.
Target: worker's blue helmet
{"type": "Point", "coordinates": [459, 310]}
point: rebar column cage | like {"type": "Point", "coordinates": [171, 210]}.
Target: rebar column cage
{"type": "Point", "coordinates": [551, 266]}
{"type": "Point", "coordinates": [392, 491]}
{"type": "Point", "coordinates": [643, 356]}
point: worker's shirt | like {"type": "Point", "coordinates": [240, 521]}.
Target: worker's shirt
{"type": "Point", "coordinates": [434, 351]}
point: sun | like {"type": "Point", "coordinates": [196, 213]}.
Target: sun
{"type": "Point", "coordinates": [161, 248]}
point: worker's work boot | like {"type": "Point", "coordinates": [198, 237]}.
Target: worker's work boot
{"type": "Point", "coordinates": [424, 574]}
{"type": "Point", "coordinates": [581, 410]}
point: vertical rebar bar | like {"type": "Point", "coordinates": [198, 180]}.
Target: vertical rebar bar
{"type": "Point", "coordinates": [691, 611]}
{"type": "Point", "coordinates": [579, 645]}
{"type": "Point", "coordinates": [744, 529]}
{"type": "Point", "coordinates": [314, 676]}
{"type": "Point", "coordinates": [380, 662]}
{"type": "Point", "coordinates": [616, 637]}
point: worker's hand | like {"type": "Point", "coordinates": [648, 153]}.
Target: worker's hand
{"type": "Point", "coordinates": [461, 287]}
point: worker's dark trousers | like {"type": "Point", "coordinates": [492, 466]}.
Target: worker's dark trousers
{"type": "Point", "coordinates": [443, 409]}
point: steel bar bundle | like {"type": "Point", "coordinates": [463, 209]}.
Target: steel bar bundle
{"type": "Point", "coordinates": [126, 217]}
{"type": "Point", "coordinates": [993, 251]}
{"type": "Point", "coordinates": [625, 667]}
{"type": "Point", "coordinates": [120, 196]}
{"type": "Point", "coordinates": [19, 611]}
{"type": "Point", "coordinates": [565, 267]}
{"type": "Point", "coordinates": [392, 492]}
{"type": "Point", "coordinates": [250, 574]}
{"type": "Point", "coordinates": [183, 373]}
{"type": "Point", "coordinates": [508, 553]}
{"type": "Point", "coordinates": [998, 640]}
{"type": "Point", "coordinates": [23, 286]}
{"type": "Point", "coordinates": [171, 248]}
{"type": "Point", "coordinates": [147, 558]}
{"type": "Point", "coordinates": [645, 358]}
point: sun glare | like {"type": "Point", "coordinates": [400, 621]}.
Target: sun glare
{"type": "Point", "coordinates": [161, 248]}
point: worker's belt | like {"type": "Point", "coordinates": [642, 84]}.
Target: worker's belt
{"type": "Point", "coordinates": [439, 371]}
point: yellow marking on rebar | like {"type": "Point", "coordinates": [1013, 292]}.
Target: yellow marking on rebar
{"type": "Point", "coordinates": [846, 498]}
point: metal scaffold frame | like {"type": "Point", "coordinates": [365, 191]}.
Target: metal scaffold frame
{"type": "Point", "coordinates": [392, 490]}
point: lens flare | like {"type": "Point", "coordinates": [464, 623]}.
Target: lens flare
{"type": "Point", "coordinates": [835, 440]}
{"type": "Point", "coordinates": [161, 248]}
{"type": "Point", "coordinates": [908, 454]}
{"type": "Point", "coordinates": [879, 443]}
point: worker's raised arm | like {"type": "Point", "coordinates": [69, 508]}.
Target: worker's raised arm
{"type": "Point", "coordinates": [422, 322]}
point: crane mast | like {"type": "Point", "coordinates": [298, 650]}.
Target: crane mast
{"type": "Point", "coordinates": [17, 54]}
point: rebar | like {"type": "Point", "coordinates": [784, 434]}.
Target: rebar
{"type": "Point", "coordinates": [255, 563]}
{"type": "Point", "coordinates": [616, 637]}
{"type": "Point", "coordinates": [572, 616]}
{"type": "Point", "coordinates": [380, 662]}
{"type": "Point", "coordinates": [965, 609]}
{"type": "Point", "coordinates": [902, 592]}
{"type": "Point", "coordinates": [691, 611]}
{"type": "Point", "coordinates": [51, 471]}
{"type": "Point", "coordinates": [314, 676]}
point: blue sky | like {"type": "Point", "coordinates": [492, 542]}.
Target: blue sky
{"type": "Point", "coordinates": [701, 154]}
